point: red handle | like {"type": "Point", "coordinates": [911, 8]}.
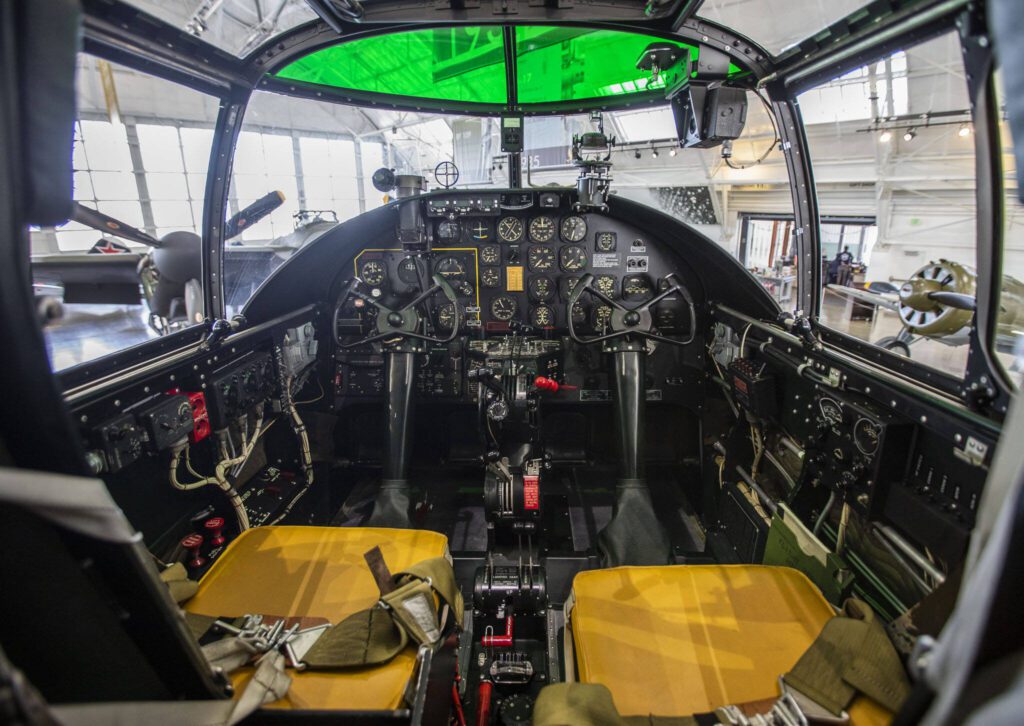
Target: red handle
{"type": "Point", "coordinates": [544, 383]}
{"type": "Point", "coordinates": [483, 703]}
{"type": "Point", "coordinates": [500, 641]}
{"type": "Point", "coordinates": [192, 543]}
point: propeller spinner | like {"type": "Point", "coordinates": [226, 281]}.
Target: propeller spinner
{"type": "Point", "coordinates": [938, 298]}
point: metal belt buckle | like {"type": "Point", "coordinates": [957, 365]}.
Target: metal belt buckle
{"type": "Point", "coordinates": [794, 707]}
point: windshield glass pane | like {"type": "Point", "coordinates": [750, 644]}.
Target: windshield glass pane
{"type": "Point", "coordinates": [452, 64]}
{"type": "Point", "coordinates": [236, 26]}
{"type": "Point", "coordinates": [142, 161]}
{"type": "Point", "coordinates": [777, 24]}
{"type": "Point", "coordinates": [893, 153]}
{"type": "Point", "coordinates": [1009, 342]}
{"type": "Point", "coordinates": [603, 64]}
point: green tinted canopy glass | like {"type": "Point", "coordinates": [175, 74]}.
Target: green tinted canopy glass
{"type": "Point", "coordinates": [554, 65]}
{"type": "Point", "coordinates": [464, 64]}
{"type": "Point", "coordinates": [572, 64]}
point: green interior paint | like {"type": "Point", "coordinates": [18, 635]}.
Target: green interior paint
{"type": "Point", "coordinates": [450, 64]}
{"type": "Point", "coordinates": [467, 65]}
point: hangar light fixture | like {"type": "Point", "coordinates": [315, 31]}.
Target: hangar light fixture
{"type": "Point", "coordinates": [965, 130]}
{"type": "Point", "coordinates": [885, 137]}
{"type": "Point", "coordinates": [909, 135]}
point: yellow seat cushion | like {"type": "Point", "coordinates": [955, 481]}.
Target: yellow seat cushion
{"type": "Point", "coordinates": [686, 639]}
{"type": "Point", "coordinates": [317, 572]}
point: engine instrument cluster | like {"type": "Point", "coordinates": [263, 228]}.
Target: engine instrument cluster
{"type": "Point", "coordinates": [514, 258]}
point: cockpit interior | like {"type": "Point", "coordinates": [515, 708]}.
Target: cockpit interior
{"type": "Point", "coordinates": [521, 442]}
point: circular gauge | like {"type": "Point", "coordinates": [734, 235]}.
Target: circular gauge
{"type": "Point", "coordinates": [446, 316]}
{"type": "Point", "coordinates": [542, 229]}
{"type": "Point", "coordinates": [573, 229]}
{"type": "Point", "coordinates": [541, 289]}
{"type": "Point", "coordinates": [567, 284]}
{"type": "Point", "coordinates": [464, 288]}
{"type": "Point", "coordinates": [490, 254]}
{"type": "Point", "coordinates": [503, 308]}
{"type": "Point", "coordinates": [541, 259]}
{"type": "Point", "coordinates": [407, 272]}
{"type": "Point", "coordinates": [605, 284]}
{"type": "Point", "coordinates": [479, 230]}
{"type": "Point", "coordinates": [604, 241]}
{"type": "Point", "coordinates": [372, 272]}
{"type": "Point", "coordinates": [573, 258]}
{"type": "Point", "coordinates": [831, 411]}
{"type": "Point", "coordinates": [866, 434]}
{"type": "Point", "coordinates": [452, 269]}
{"type": "Point", "coordinates": [542, 317]}
{"type": "Point", "coordinates": [602, 316]}
{"type": "Point", "coordinates": [636, 287]}
{"type": "Point", "coordinates": [448, 231]}
{"type": "Point", "coordinates": [510, 229]}
{"type": "Point", "coordinates": [579, 313]}
{"type": "Point", "coordinates": [490, 277]}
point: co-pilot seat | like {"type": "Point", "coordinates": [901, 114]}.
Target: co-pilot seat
{"type": "Point", "coordinates": [316, 572]}
{"type": "Point", "coordinates": [685, 640]}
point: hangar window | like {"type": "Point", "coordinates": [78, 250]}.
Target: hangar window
{"type": "Point", "coordinates": [141, 151]}
{"type": "Point", "coordinates": [909, 165]}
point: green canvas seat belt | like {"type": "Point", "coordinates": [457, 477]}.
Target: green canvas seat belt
{"type": "Point", "coordinates": [413, 605]}
{"type": "Point", "coordinates": [851, 656]}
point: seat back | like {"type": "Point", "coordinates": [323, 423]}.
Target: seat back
{"type": "Point", "coordinates": [84, 614]}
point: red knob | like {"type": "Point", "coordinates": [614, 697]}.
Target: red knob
{"type": "Point", "coordinates": [215, 526]}
{"type": "Point", "coordinates": [548, 384]}
{"type": "Point", "coordinates": [192, 543]}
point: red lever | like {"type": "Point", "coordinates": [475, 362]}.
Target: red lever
{"type": "Point", "coordinates": [548, 384]}
{"type": "Point", "coordinates": [192, 543]}
{"type": "Point", "coordinates": [215, 527]}
{"type": "Point", "coordinates": [483, 703]}
{"type": "Point", "coordinates": [500, 641]}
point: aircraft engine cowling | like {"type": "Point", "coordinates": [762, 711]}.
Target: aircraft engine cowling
{"type": "Point", "coordinates": [923, 315]}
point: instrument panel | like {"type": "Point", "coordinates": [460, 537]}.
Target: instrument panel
{"type": "Point", "coordinates": [514, 259]}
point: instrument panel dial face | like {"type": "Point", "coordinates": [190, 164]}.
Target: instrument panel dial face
{"type": "Point", "coordinates": [542, 317]}
{"type": "Point", "coordinates": [573, 258]}
{"type": "Point", "coordinates": [446, 317]}
{"type": "Point", "coordinates": [452, 269]}
{"type": "Point", "coordinates": [407, 271]}
{"type": "Point", "coordinates": [503, 308]}
{"type": "Point", "coordinates": [573, 229]}
{"type": "Point", "coordinates": [372, 272]}
{"type": "Point", "coordinates": [579, 313]}
{"type": "Point", "coordinates": [490, 277]}
{"type": "Point", "coordinates": [541, 259]}
{"type": "Point", "coordinates": [602, 317]}
{"type": "Point", "coordinates": [449, 231]}
{"type": "Point", "coordinates": [866, 434]}
{"type": "Point", "coordinates": [605, 242]}
{"type": "Point", "coordinates": [490, 254]}
{"type": "Point", "coordinates": [605, 284]}
{"type": "Point", "coordinates": [542, 229]}
{"type": "Point", "coordinates": [541, 288]}
{"type": "Point", "coordinates": [478, 230]}
{"type": "Point", "coordinates": [636, 287]}
{"type": "Point", "coordinates": [831, 412]}
{"type": "Point", "coordinates": [510, 229]}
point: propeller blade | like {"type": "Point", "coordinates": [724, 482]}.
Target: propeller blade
{"type": "Point", "coordinates": [103, 223]}
{"type": "Point", "coordinates": [954, 300]}
{"type": "Point", "coordinates": [253, 214]}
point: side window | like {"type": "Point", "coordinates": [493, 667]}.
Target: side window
{"type": "Point", "coordinates": [300, 168]}
{"type": "Point", "coordinates": [892, 145]}
{"type": "Point", "coordinates": [129, 268]}
{"type": "Point", "coordinates": [1009, 342]}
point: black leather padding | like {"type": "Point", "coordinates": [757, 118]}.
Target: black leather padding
{"type": "Point", "coordinates": [49, 38]}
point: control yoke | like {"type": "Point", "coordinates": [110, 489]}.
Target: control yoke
{"type": "Point", "coordinates": [401, 323]}
{"type": "Point", "coordinates": [630, 321]}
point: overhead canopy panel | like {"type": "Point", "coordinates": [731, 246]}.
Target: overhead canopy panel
{"type": "Point", "coordinates": [465, 66]}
